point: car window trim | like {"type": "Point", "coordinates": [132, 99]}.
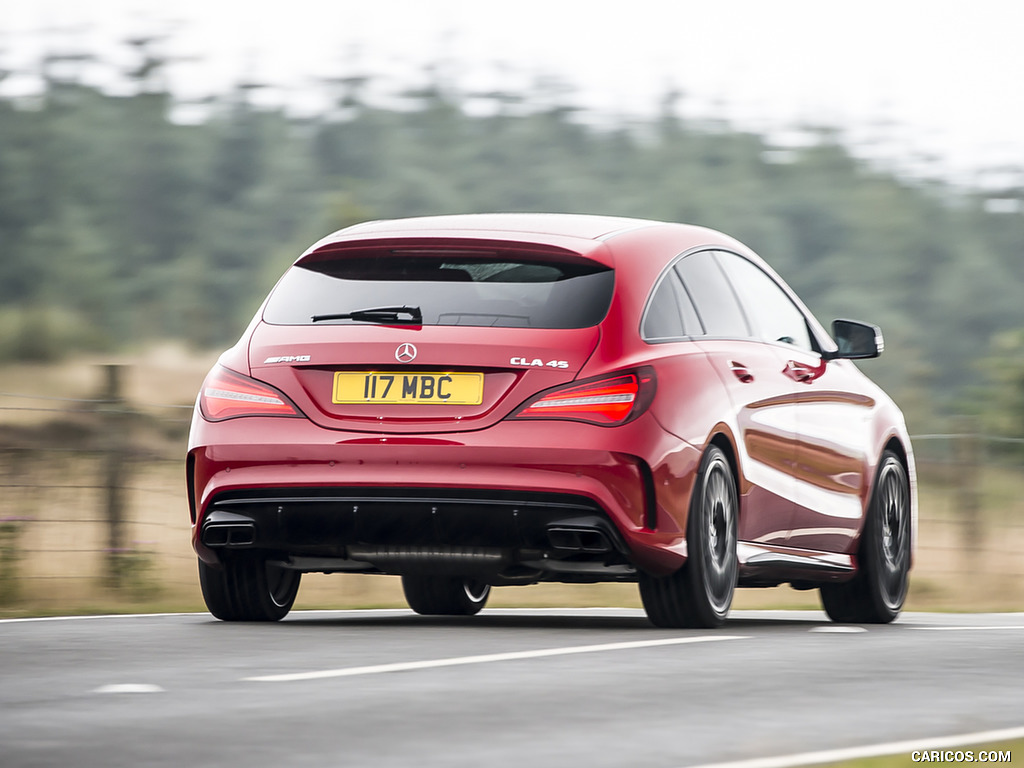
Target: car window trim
{"type": "Point", "coordinates": [670, 267]}
{"type": "Point", "coordinates": [813, 327]}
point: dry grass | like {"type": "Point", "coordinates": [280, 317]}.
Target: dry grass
{"type": "Point", "coordinates": [63, 541]}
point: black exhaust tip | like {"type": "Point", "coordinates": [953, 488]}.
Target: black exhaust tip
{"type": "Point", "coordinates": [588, 540]}
{"type": "Point", "coordinates": [229, 535]}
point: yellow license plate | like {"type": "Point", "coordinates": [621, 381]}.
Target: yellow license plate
{"type": "Point", "coordinates": [404, 387]}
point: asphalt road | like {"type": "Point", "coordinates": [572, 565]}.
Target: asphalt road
{"type": "Point", "coordinates": [528, 688]}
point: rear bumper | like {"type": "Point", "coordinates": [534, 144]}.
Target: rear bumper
{"type": "Point", "coordinates": [557, 500]}
{"type": "Point", "coordinates": [506, 536]}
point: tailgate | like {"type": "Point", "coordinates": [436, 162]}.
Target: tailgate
{"type": "Point", "coordinates": [407, 380]}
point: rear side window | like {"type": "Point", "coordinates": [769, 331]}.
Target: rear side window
{"type": "Point", "coordinates": [712, 295]}
{"type": "Point", "coordinates": [670, 314]}
{"type": "Point", "coordinates": [496, 290]}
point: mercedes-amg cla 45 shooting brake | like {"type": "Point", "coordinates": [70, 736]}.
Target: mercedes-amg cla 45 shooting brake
{"type": "Point", "coordinates": [475, 401]}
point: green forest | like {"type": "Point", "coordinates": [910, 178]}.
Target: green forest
{"type": "Point", "coordinates": [121, 224]}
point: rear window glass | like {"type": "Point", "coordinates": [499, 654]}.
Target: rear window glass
{"type": "Point", "coordinates": [497, 291]}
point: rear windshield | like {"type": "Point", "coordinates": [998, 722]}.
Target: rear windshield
{"type": "Point", "coordinates": [497, 290]}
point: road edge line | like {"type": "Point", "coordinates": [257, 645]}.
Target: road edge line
{"type": "Point", "coordinates": [871, 750]}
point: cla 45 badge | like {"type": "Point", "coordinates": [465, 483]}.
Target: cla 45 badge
{"type": "Point", "coordinates": [538, 363]}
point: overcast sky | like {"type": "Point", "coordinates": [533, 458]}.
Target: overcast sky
{"type": "Point", "coordinates": [928, 76]}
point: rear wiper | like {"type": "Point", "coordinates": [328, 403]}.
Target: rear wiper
{"type": "Point", "coordinates": [377, 315]}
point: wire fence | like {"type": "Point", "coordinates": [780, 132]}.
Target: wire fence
{"type": "Point", "coordinates": [93, 505]}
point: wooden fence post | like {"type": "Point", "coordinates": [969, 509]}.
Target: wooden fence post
{"type": "Point", "coordinates": [968, 494]}
{"type": "Point", "coordinates": [114, 455]}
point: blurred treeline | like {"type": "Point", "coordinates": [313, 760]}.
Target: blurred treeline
{"type": "Point", "coordinates": [121, 223]}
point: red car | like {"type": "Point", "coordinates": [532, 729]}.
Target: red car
{"type": "Point", "coordinates": [486, 400]}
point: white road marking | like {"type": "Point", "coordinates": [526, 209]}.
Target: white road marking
{"type": "Point", "coordinates": [488, 658]}
{"type": "Point", "coordinates": [129, 688]}
{"type": "Point", "coordinates": [839, 629]}
{"type": "Point", "coordinates": [970, 629]}
{"type": "Point", "coordinates": [562, 611]}
{"type": "Point", "coordinates": [34, 619]}
{"type": "Point", "coordinates": [294, 615]}
{"type": "Point", "coordinates": [873, 750]}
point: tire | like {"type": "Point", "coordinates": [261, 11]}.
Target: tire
{"type": "Point", "coordinates": [247, 588]}
{"type": "Point", "coordinates": [445, 595]}
{"type": "Point", "coordinates": [699, 594]}
{"type": "Point", "coordinates": [876, 594]}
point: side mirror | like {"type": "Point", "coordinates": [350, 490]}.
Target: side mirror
{"type": "Point", "coordinates": [856, 341]}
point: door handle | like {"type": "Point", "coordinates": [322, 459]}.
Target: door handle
{"type": "Point", "coordinates": [741, 372]}
{"type": "Point", "coordinates": [800, 372]}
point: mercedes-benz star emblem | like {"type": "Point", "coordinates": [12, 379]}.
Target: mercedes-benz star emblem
{"type": "Point", "coordinates": [405, 353]}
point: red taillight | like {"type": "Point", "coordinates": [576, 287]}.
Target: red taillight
{"type": "Point", "coordinates": [608, 401]}
{"type": "Point", "coordinates": [228, 395]}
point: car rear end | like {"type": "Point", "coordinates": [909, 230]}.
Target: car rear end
{"type": "Point", "coordinates": [409, 403]}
